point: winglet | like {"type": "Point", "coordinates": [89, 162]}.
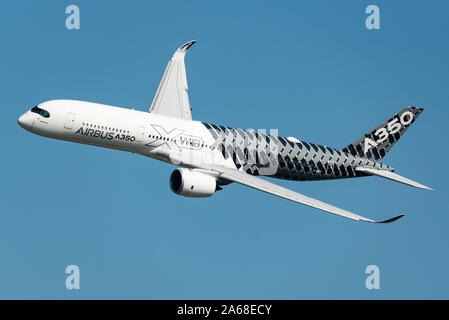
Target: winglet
{"type": "Point", "coordinates": [180, 53]}
{"type": "Point", "coordinates": [187, 45]}
{"type": "Point", "coordinates": [388, 220]}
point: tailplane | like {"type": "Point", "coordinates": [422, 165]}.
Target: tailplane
{"type": "Point", "coordinates": [392, 176]}
{"type": "Point", "coordinates": [375, 144]}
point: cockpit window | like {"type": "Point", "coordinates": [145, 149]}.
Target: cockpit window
{"type": "Point", "coordinates": [41, 112]}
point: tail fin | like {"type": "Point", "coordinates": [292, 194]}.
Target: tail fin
{"type": "Point", "coordinates": [375, 144]}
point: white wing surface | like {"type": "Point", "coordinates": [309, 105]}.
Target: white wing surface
{"type": "Point", "coordinates": [392, 176]}
{"type": "Point", "coordinates": [171, 98]}
{"type": "Point", "coordinates": [274, 189]}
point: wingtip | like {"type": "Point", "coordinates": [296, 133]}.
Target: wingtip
{"type": "Point", "coordinates": [388, 220]}
{"type": "Point", "coordinates": [187, 45]}
{"type": "Point", "coordinates": [181, 51]}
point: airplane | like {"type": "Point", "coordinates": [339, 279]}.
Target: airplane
{"type": "Point", "coordinates": [211, 156]}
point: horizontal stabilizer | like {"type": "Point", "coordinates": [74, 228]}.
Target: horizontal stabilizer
{"type": "Point", "coordinates": [392, 176]}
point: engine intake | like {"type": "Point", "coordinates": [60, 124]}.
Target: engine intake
{"type": "Point", "coordinates": [193, 184]}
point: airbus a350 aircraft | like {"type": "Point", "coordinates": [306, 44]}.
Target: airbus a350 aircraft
{"type": "Point", "coordinates": [213, 155]}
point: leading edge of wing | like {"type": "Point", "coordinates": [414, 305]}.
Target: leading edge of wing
{"type": "Point", "coordinates": [274, 189]}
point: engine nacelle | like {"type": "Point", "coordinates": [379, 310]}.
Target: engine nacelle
{"type": "Point", "coordinates": [190, 183]}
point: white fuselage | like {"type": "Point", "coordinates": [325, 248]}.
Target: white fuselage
{"type": "Point", "coordinates": [177, 141]}
{"type": "Point", "coordinates": [187, 143]}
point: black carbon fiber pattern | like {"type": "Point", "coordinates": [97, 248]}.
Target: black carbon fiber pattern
{"type": "Point", "coordinates": [376, 153]}
{"type": "Point", "coordinates": [269, 155]}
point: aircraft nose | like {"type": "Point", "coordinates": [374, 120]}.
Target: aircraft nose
{"type": "Point", "coordinates": [24, 121]}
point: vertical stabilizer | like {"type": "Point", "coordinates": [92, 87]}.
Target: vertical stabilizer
{"type": "Point", "coordinates": [375, 144]}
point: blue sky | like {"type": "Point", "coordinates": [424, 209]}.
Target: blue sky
{"type": "Point", "coordinates": [308, 68]}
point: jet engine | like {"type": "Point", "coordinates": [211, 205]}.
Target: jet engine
{"type": "Point", "coordinates": [193, 184]}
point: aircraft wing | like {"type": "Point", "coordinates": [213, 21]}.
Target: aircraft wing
{"type": "Point", "coordinates": [171, 98]}
{"type": "Point", "coordinates": [274, 189]}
